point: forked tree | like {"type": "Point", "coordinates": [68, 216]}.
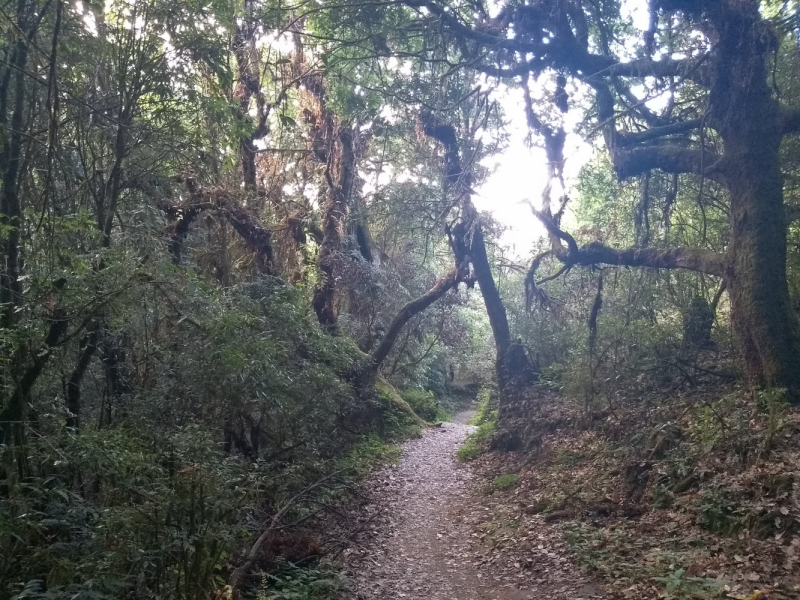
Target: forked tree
{"type": "Point", "coordinates": [721, 56]}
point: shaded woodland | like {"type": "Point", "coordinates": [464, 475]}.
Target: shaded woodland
{"type": "Point", "coordinates": [241, 260]}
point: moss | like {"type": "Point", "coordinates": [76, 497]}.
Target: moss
{"type": "Point", "coordinates": [425, 405]}
{"type": "Point", "coordinates": [476, 441]}
{"type": "Point", "coordinates": [485, 421]}
{"type": "Point", "coordinates": [486, 410]}
{"type": "Point", "coordinates": [505, 482]}
{"type": "Point", "coordinates": [388, 394]}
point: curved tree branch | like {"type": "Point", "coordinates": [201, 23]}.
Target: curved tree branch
{"type": "Point", "coordinates": [411, 309]}
{"type": "Point", "coordinates": [595, 253]}
{"type": "Point", "coordinates": [255, 235]}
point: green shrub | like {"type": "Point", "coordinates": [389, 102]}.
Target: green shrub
{"type": "Point", "coordinates": [486, 409]}
{"type": "Point", "coordinates": [371, 452]}
{"type": "Point", "coordinates": [425, 405]}
{"type": "Point", "coordinates": [505, 482]}
{"type": "Point", "coordinates": [169, 481]}
{"type": "Point", "coordinates": [294, 583]}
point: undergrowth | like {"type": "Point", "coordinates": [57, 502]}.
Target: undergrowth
{"type": "Point", "coordinates": [686, 497]}
{"type": "Point", "coordinates": [505, 482]}
{"type": "Point", "coordinates": [249, 410]}
{"type": "Point", "coordinates": [485, 422]}
{"type": "Point", "coordinates": [371, 452]}
{"type": "Point", "coordinates": [621, 556]}
{"type": "Point", "coordinates": [322, 582]}
{"type": "Point", "coordinates": [426, 405]}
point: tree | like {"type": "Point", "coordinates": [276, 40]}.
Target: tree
{"type": "Point", "coordinates": [168, 171]}
{"type": "Point", "coordinates": [513, 369]}
{"type": "Point", "coordinates": [725, 48]}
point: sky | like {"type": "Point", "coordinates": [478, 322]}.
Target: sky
{"type": "Point", "coordinates": [519, 176]}
{"type": "Point", "coordinates": [520, 172]}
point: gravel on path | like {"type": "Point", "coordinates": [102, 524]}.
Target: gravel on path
{"type": "Point", "coordinates": [423, 538]}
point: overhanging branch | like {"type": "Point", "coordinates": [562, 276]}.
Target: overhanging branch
{"type": "Point", "coordinates": [413, 308]}
{"type": "Point", "coordinates": [594, 253]}
{"type": "Point", "coordinates": [692, 259]}
{"type": "Point", "coordinates": [630, 162]}
{"type": "Point", "coordinates": [653, 133]}
{"type": "Point", "coordinates": [560, 52]}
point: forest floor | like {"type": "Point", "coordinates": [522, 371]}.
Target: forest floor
{"type": "Point", "coordinates": [426, 534]}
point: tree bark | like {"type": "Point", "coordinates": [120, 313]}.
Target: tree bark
{"type": "Point", "coordinates": [761, 306]}
{"type": "Point", "coordinates": [248, 86]}
{"type": "Point", "coordinates": [751, 125]}
{"type": "Point", "coordinates": [12, 417]}
{"type": "Point", "coordinates": [342, 162]}
{"type": "Point", "coordinates": [72, 386]}
{"type": "Point", "coordinates": [762, 311]}
{"type": "Point", "coordinates": [512, 368]}
{"type": "Point", "coordinates": [11, 161]}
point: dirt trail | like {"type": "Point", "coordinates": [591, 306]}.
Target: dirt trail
{"type": "Point", "coordinates": [424, 535]}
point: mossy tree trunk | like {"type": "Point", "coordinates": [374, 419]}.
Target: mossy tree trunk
{"type": "Point", "coordinates": [743, 112]}
{"type": "Point", "coordinates": [749, 122]}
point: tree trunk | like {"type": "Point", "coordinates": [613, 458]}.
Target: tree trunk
{"type": "Point", "coordinates": [697, 323]}
{"type": "Point", "coordinates": [339, 188]}
{"type": "Point", "coordinates": [72, 386]}
{"type": "Point", "coordinates": [513, 369]}
{"type": "Point", "coordinates": [742, 109]}
{"type": "Point", "coordinates": [12, 415]}
{"type": "Point", "coordinates": [762, 310]}
{"type": "Point", "coordinates": [11, 161]}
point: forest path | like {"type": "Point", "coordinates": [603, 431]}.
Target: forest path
{"type": "Point", "coordinates": [424, 538]}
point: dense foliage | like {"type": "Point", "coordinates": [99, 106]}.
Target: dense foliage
{"type": "Point", "coordinates": [240, 255]}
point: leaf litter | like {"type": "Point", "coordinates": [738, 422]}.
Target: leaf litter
{"type": "Point", "coordinates": [431, 531]}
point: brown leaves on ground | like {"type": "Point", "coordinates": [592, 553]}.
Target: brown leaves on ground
{"type": "Point", "coordinates": [687, 497]}
{"type": "Point", "coordinates": [434, 534]}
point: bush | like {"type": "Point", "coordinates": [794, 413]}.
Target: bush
{"type": "Point", "coordinates": [293, 583]}
{"type": "Point", "coordinates": [505, 482]}
{"type": "Point", "coordinates": [485, 421]}
{"type": "Point", "coordinates": [425, 405]}
{"type": "Point", "coordinates": [169, 480]}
